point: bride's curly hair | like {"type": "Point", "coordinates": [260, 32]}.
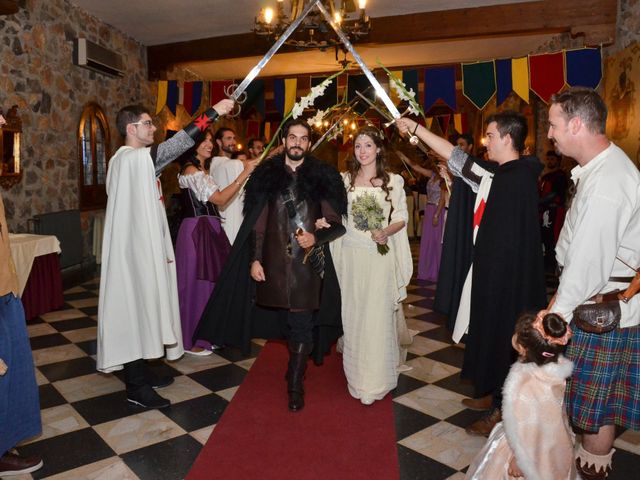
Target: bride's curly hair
{"type": "Point", "coordinates": [353, 166]}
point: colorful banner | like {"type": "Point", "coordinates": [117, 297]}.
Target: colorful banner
{"type": "Point", "coordinates": [443, 121]}
{"type": "Point", "coordinates": [546, 73]}
{"type": "Point", "coordinates": [255, 99]}
{"type": "Point", "coordinates": [584, 67]}
{"type": "Point", "coordinates": [162, 95]}
{"type": "Point", "coordinates": [520, 77]}
{"type": "Point", "coordinates": [440, 84]}
{"type": "Point", "coordinates": [253, 129]}
{"type": "Point", "coordinates": [504, 85]}
{"type": "Point", "coordinates": [192, 97]}
{"type": "Point", "coordinates": [290, 93]}
{"type": "Point", "coordinates": [278, 95]}
{"type": "Point", "coordinates": [479, 82]}
{"type": "Point", "coordinates": [172, 95]}
{"type": "Point", "coordinates": [217, 90]}
{"type": "Point", "coordinates": [460, 122]}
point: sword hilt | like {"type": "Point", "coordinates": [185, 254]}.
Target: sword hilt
{"type": "Point", "coordinates": [231, 91]}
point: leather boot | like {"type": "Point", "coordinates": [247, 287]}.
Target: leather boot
{"type": "Point", "coordinates": [298, 355]}
{"type": "Point", "coordinates": [479, 404]}
{"type": "Point", "coordinates": [591, 466]}
{"type": "Point", "coordinates": [485, 424]}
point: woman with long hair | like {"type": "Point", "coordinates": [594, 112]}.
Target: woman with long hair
{"type": "Point", "coordinates": [432, 221]}
{"type": "Point", "coordinates": [374, 266]}
{"type": "Point", "coordinates": [202, 246]}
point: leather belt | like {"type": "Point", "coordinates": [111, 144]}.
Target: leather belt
{"type": "Point", "coordinates": [621, 279]}
{"type": "Point", "coordinates": [606, 297]}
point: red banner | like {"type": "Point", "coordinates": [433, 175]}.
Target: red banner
{"type": "Point", "coordinates": [546, 74]}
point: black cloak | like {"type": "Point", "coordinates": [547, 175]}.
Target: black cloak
{"type": "Point", "coordinates": [231, 316]}
{"type": "Point", "coordinates": [457, 251]}
{"type": "Point", "coordinates": [508, 274]}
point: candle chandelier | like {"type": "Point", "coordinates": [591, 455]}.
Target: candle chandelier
{"type": "Point", "coordinates": [314, 31]}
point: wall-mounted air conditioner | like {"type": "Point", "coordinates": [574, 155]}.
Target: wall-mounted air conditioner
{"type": "Point", "coordinates": [94, 57]}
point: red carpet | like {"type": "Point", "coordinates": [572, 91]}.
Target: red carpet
{"type": "Point", "coordinates": [334, 437]}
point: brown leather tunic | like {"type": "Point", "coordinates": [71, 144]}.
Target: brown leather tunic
{"type": "Point", "coordinates": [289, 284]}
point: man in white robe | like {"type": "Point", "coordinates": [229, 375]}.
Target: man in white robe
{"type": "Point", "coordinates": [138, 313]}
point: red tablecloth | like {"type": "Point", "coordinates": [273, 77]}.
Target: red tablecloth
{"type": "Point", "coordinates": [43, 291]}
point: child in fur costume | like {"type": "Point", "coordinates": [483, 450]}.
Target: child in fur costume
{"type": "Point", "coordinates": [534, 440]}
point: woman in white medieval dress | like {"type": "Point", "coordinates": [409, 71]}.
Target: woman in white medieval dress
{"type": "Point", "coordinates": [373, 263]}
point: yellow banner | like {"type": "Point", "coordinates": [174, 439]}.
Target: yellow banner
{"type": "Point", "coordinates": [162, 95]}
{"type": "Point", "coordinates": [520, 77]}
{"type": "Point", "coordinates": [290, 93]}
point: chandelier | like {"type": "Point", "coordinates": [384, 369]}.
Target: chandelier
{"type": "Point", "coordinates": [314, 31]}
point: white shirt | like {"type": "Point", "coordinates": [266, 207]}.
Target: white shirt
{"type": "Point", "coordinates": [224, 171]}
{"type": "Point", "coordinates": [200, 183]}
{"type": "Point", "coordinates": [602, 223]}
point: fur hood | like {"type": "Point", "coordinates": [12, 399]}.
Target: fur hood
{"type": "Point", "coordinates": [316, 181]}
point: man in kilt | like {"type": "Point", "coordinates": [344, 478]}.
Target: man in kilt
{"type": "Point", "coordinates": [598, 249]}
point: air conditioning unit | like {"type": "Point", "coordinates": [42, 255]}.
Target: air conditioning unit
{"type": "Point", "coordinates": [94, 57]}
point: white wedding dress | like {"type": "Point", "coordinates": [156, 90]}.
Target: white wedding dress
{"type": "Point", "coordinates": [372, 286]}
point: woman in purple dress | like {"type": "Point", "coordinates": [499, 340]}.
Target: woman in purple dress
{"type": "Point", "coordinates": [202, 246]}
{"type": "Point", "coordinates": [432, 223]}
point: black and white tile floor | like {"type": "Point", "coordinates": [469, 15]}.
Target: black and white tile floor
{"type": "Point", "coordinates": [89, 431]}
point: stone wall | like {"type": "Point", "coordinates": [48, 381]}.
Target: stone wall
{"type": "Point", "coordinates": [37, 74]}
{"type": "Point", "coordinates": [628, 24]}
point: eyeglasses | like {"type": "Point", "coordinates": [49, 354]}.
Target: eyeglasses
{"type": "Point", "coordinates": [146, 123]}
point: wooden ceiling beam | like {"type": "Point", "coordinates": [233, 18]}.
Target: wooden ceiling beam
{"type": "Point", "coordinates": [595, 19]}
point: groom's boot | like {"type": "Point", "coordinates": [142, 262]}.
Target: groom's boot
{"type": "Point", "coordinates": [298, 355]}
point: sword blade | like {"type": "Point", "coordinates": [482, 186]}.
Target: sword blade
{"type": "Point", "coordinates": [374, 81]}
{"type": "Point", "coordinates": [386, 115]}
{"type": "Point", "coordinates": [272, 51]}
{"type": "Point", "coordinates": [331, 128]}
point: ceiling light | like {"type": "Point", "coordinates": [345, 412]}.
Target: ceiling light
{"type": "Point", "coordinates": [314, 31]}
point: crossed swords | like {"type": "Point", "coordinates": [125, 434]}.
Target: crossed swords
{"type": "Point", "coordinates": [238, 93]}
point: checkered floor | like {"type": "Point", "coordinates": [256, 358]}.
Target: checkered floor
{"type": "Point", "coordinates": [89, 431]}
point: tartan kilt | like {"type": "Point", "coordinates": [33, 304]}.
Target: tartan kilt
{"type": "Point", "coordinates": [605, 386]}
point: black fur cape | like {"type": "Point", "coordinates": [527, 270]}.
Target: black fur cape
{"type": "Point", "coordinates": [316, 181]}
{"type": "Point", "coordinates": [231, 316]}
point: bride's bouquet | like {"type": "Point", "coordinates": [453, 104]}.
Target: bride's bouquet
{"type": "Point", "coordinates": [368, 215]}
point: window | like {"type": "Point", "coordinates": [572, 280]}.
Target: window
{"type": "Point", "coordinates": [93, 152]}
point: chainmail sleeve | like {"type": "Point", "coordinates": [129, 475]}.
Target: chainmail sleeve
{"type": "Point", "coordinates": [464, 166]}
{"type": "Point", "coordinates": [169, 150]}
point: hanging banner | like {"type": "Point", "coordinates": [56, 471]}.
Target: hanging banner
{"type": "Point", "coordinates": [479, 82]}
{"type": "Point", "coordinates": [460, 122]}
{"type": "Point", "coordinates": [290, 93]}
{"type": "Point", "coordinates": [443, 121]}
{"type": "Point", "coordinates": [504, 85]}
{"type": "Point", "coordinates": [330, 97]}
{"type": "Point", "coordinates": [162, 95]}
{"type": "Point", "coordinates": [520, 77]}
{"type": "Point", "coordinates": [192, 97]}
{"type": "Point", "coordinates": [428, 122]}
{"type": "Point", "coordinates": [584, 67]}
{"type": "Point", "coordinates": [217, 90]}
{"type": "Point", "coordinates": [255, 98]}
{"type": "Point", "coordinates": [253, 129]}
{"type": "Point", "coordinates": [172, 95]}
{"type": "Point", "coordinates": [440, 84]}
{"type": "Point", "coordinates": [547, 74]}
{"type": "Point", "coordinates": [278, 95]}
